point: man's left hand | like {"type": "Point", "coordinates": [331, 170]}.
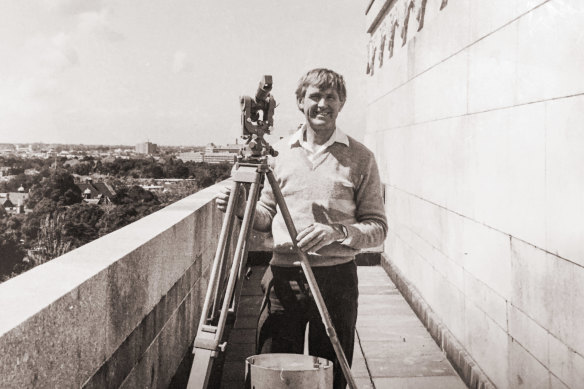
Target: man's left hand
{"type": "Point", "coordinates": [316, 236]}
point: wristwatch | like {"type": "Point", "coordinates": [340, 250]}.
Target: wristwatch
{"type": "Point", "coordinates": [344, 231]}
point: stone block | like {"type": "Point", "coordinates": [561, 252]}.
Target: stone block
{"type": "Point", "coordinates": [530, 335]}
{"type": "Point", "coordinates": [507, 155]}
{"type": "Point", "coordinates": [531, 282]}
{"type": "Point", "coordinates": [391, 110]}
{"type": "Point", "coordinates": [566, 310]}
{"type": "Point", "coordinates": [486, 254]}
{"type": "Point", "coordinates": [458, 175]}
{"type": "Point", "coordinates": [486, 17]}
{"type": "Point", "coordinates": [526, 174]}
{"type": "Point", "coordinates": [486, 299]}
{"type": "Point", "coordinates": [146, 372]}
{"type": "Point", "coordinates": [446, 35]}
{"type": "Point", "coordinates": [487, 343]}
{"type": "Point", "coordinates": [441, 92]}
{"type": "Point", "coordinates": [449, 306]}
{"type": "Point", "coordinates": [127, 293]}
{"type": "Point", "coordinates": [565, 178]}
{"type": "Point", "coordinates": [493, 67]}
{"type": "Point", "coordinates": [396, 146]}
{"type": "Point", "coordinates": [548, 65]}
{"type": "Point", "coordinates": [565, 364]}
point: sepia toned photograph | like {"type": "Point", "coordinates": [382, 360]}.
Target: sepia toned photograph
{"type": "Point", "coordinates": [371, 194]}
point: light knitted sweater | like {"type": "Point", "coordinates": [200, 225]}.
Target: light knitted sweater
{"type": "Point", "coordinates": [341, 185]}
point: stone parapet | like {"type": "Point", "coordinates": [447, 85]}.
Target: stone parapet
{"type": "Point", "coordinates": [120, 311]}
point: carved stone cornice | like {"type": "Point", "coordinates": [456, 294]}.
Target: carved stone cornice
{"type": "Point", "coordinates": [383, 19]}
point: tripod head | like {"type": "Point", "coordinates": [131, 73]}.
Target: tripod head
{"type": "Point", "coordinates": [257, 119]}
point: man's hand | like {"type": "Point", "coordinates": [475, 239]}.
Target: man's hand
{"type": "Point", "coordinates": [317, 235]}
{"type": "Point", "coordinates": [222, 198]}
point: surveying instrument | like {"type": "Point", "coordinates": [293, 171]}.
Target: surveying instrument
{"type": "Point", "coordinates": [222, 296]}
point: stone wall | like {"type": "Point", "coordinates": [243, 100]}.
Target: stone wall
{"type": "Point", "coordinates": [120, 311]}
{"type": "Point", "coordinates": [475, 112]}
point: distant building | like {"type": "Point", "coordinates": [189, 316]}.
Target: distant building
{"type": "Point", "coordinates": [220, 157]}
{"type": "Point", "coordinates": [146, 148]}
{"type": "Point", "coordinates": [96, 193]}
{"type": "Point", "coordinates": [31, 172]}
{"type": "Point", "coordinates": [191, 156]}
{"type": "Point", "coordinates": [213, 154]}
{"type": "Point", "coordinates": [232, 148]}
{"type": "Point", "coordinates": [13, 202]}
{"type": "Point", "coordinates": [153, 188]}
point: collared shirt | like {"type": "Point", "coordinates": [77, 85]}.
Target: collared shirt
{"type": "Point", "coordinates": [313, 152]}
{"type": "Point", "coordinates": [341, 186]}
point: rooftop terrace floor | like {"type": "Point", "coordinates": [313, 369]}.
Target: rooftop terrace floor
{"type": "Point", "coordinates": [392, 347]}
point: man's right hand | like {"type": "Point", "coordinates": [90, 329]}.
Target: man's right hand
{"type": "Point", "coordinates": [222, 198]}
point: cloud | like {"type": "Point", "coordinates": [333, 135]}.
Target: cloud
{"type": "Point", "coordinates": [98, 23]}
{"type": "Point", "coordinates": [73, 7]}
{"type": "Point", "coordinates": [60, 54]}
{"type": "Point", "coordinates": [31, 91]}
{"type": "Point", "coordinates": [49, 56]}
{"type": "Point", "coordinates": [181, 63]}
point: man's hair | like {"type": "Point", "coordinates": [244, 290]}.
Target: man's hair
{"type": "Point", "coordinates": [323, 79]}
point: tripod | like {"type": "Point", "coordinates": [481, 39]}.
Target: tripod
{"type": "Point", "coordinates": [207, 343]}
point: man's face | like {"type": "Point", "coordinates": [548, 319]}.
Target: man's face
{"type": "Point", "coordinates": [321, 108]}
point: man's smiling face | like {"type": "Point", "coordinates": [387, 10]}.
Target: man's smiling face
{"type": "Point", "coordinates": [321, 108]}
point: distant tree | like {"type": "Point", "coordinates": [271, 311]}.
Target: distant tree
{"type": "Point", "coordinates": [175, 168]}
{"type": "Point", "coordinates": [208, 174]}
{"type": "Point", "coordinates": [134, 195]}
{"type": "Point", "coordinates": [83, 169]}
{"type": "Point", "coordinates": [51, 242]}
{"type": "Point", "coordinates": [80, 223]}
{"type": "Point", "coordinates": [154, 170]}
{"type": "Point", "coordinates": [45, 207]}
{"type": "Point", "coordinates": [11, 252]}
{"type": "Point", "coordinates": [59, 188]}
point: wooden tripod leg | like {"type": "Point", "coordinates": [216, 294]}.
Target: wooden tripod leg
{"type": "Point", "coordinates": [207, 342]}
{"type": "Point", "coordinates": [328, 325]}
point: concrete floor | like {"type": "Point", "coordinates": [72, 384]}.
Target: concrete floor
{"type": "Point", "coordinates": [392, 349]}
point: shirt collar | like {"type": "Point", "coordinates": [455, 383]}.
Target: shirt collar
{"type": "Point", "coordinates": [337, 136]}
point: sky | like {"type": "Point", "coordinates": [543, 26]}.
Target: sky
{"type": "Point", "coordinates": [168, 71]}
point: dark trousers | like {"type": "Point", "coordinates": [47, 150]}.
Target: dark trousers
{"type": "Point", "coordinates": [289, 306]}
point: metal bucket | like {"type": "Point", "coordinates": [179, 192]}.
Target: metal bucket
{"type": "Point", "coordinates": [273, 371]}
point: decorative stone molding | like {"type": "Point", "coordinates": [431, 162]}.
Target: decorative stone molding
{"type": "Point", "coordinates": [381, 50]}
{"type": "Point", "coordinates": [421, 14]}
{"type": "Point", "coordinates": [386, 19]}
{"type": "Point", "coordinates": [394, 26]}
{"type": "Point", "coordinates": [404, 33]}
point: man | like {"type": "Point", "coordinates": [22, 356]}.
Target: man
{"type": "Point", "coordinates": [331, 185]}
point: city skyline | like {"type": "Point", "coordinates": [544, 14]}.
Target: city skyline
{"type": "Point", "coordinates": [102, 72]}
